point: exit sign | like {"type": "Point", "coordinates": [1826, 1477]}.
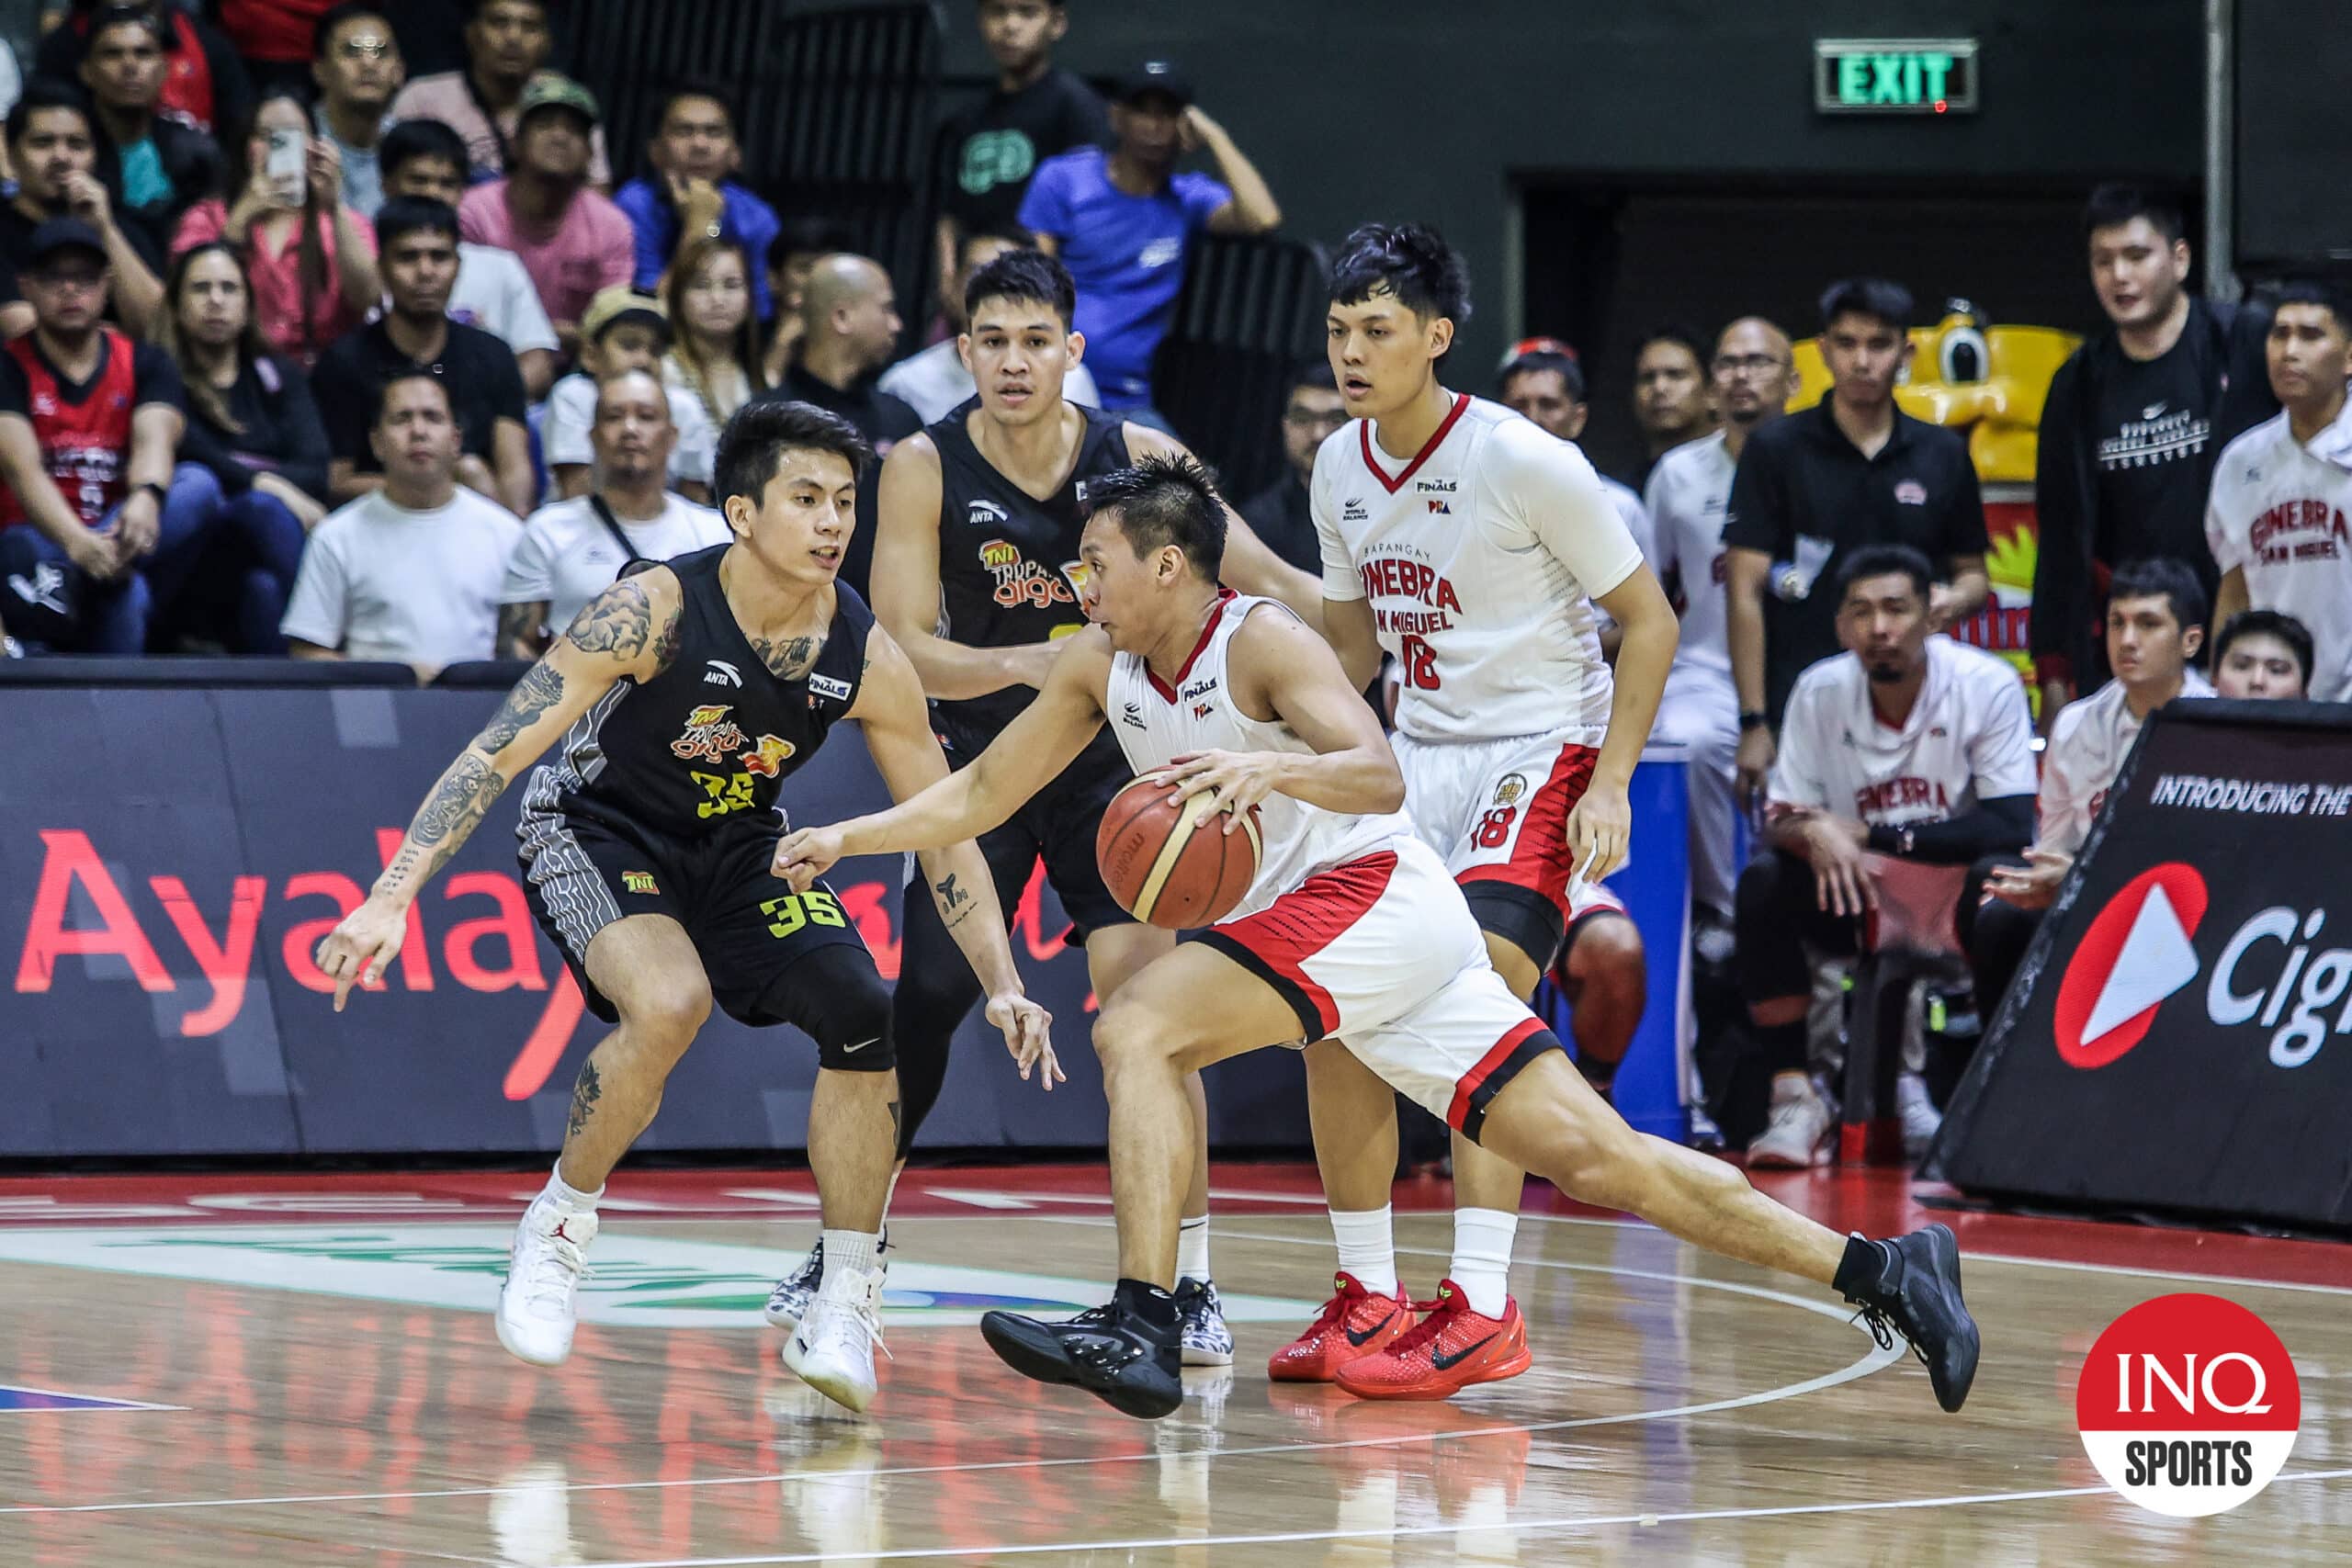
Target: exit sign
{"type": "Point", "coordinates": [1852, 76]}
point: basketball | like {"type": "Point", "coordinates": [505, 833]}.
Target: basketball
{"type": "Point", "coordinates": [1171, 863]}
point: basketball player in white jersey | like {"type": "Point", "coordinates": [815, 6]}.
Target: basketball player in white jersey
{"type": "Point", "coordinates": [1479, 553]}
{"type": "Point", "coordinates": [1689, 492]}
{"type": "Point", "coordinates": [1353, 929]}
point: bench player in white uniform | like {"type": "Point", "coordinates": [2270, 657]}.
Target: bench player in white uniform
{"type": "Point", "coordinates": [1353, 929]}
{"type": "Point", "coordinates": [1480, 553]}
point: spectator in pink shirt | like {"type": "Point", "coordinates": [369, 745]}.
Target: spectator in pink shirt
{"type": "Point", "coordinates": [573, 241]}
{"type": "Point", "coordinates": [311, 257]}
{"type": "Point", "coordinates": [507, 44]}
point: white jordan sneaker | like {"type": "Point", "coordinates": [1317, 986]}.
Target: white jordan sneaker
{"type": "Point", "coordinates": [1921, 1119]}
{"type": "Point", "coordinates": [832, 1351]}
{"type": "Point", "coordinates": [1798, 1128]}
{"type": "Point", "coordinates": [538, 1305]}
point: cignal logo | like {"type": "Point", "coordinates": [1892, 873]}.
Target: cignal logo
{"type": "Point", "coordinates": [2188, 1404]}
{"type": "Point", "coordinates": [2137, 953]}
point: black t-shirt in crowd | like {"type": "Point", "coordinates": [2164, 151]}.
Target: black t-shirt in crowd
{"type": "Point", "coordinates": [1807, 497]}
{"type": "Point", "coordinates": [1282, 515]}
{"type": "Point", "coordinates": [995, 146]}
{"type": "Point", "coordinates": [485, 386]}
{"type": "Point", "coordinates": [2154, 422]}
{"type": "Point", "coordinates": [278, 431]}
{"type": "Point", "coordinates": [16, 251]}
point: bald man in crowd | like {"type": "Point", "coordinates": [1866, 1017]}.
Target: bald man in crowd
{"type": "Point", "coordinates": [849, 333]}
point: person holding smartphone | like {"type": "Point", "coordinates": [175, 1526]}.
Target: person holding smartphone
{"type": "Point", "coordinates": [311, 256]}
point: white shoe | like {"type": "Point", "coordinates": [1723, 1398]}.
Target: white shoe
{"type": "Point", "coordinates": [832, 1351]}
{"type": "Point", "coordinates": [1921, 1119]}
{"type": "Point", "coordinates": [1799, 1127]}
{"type": "Point", "coordinates": [538, 1305]}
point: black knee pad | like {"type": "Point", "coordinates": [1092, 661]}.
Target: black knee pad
{"type": "Point", "coordinates": [836, 996]}
{"type": "Point", "coordinates": [1520, 916]}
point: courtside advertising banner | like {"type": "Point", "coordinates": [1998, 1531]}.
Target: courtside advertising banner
{"type": "Point", "coordinates": [2180, 1035]}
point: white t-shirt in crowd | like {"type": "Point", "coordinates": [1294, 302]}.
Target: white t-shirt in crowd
{"type": "Point", "coordinates": [496, 294]}
{"type": "Point", "coordinates": [934, 381]}
{"type": "Point", "coordinates": [381, 582]}
{"type": "Point", "coordinates": [1480, 555]}
{"type": "Point", "coordinates": [566, 556]}
{"type": "Point", "coordinates": [1968, 738]}
{"type": "Point", "coordinates": [2281, 511]}
{"type": "Point", "coordinates": [571, 415]}
{"type": "Point", "coordinates": [1688, 495]}
{"type": "Point", "coordinates": [2087, 746]}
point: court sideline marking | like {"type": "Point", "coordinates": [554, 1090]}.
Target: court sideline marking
{"type": "Point", "coordinates": [1873, 1360]}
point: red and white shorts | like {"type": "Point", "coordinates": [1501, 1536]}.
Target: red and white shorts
{"type": "Point", "coordinates": [1382, 953]}
{"type": "Point", "coordinates": [1497, 811]}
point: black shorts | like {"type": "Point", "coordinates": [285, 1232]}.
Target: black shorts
{"type": "Point", "coordinates": [1057, 825]}
{"type": "Point", "coordinates": [583, 872]}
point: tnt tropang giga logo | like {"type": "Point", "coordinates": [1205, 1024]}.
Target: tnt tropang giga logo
{"type": "Point", "coordinates": [2188, 1404]}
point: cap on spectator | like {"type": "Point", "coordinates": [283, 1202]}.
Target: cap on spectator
{"type": "Point", "coordinates": [1154, 76]}
{"type": "Point", "coordinates": [552, 90]}
{"type": "Point", "coordinates": [59, 235]}
{"type": "Point", "coordinates": [620, 303]}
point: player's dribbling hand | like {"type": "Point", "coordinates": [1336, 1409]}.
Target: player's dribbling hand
{"type": "Point", "coordinates": [1600, 831]}
{"type": "Point", "coordinates": [804, 855]}
{"type": "Point", "coordinates": [1235, 779]}
{"type": "Point", "coordinates": [362, 946]}
{"type": "Point", "coordinates": [1028, 1034]}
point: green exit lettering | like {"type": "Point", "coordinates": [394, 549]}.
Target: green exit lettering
{"type": "Point", "coordinates": [1866, 80]}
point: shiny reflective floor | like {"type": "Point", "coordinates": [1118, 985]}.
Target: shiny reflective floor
{"type": "Point", "coordinates": [300, 1369]}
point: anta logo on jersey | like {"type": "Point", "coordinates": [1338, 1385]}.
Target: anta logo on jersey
{"type": "Point", "coordinates": [1019, 580]}
{"type": "Point", "coordinates": [1880, 800]}
{"type": "Point", "coordinates": [718, 672]}
{"type": "Point", "coordinates": [1392, 578]}
{"type": "Point", "coordinates": [984, 514]}
{"type": "Point", "coordinates": [2326, 536]}
{"type": "Point", "coordinates": [710, 736]}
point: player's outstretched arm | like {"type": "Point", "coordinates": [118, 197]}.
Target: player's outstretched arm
{"type": "Point", "coordinates": [1601, 828]}
{"type": "Point", "coordinates": [897, 736]}
{"type": "Point", "coordinates": [1281, 669]}
{"type": "Point", "coordinates": [1249, 566]}
{"type": "Point", "coordinates": [629, 630]}
{"type": "Point", "coordinates": [1028, 755]}
{"type": "Point", "coordinates": [906, 587]}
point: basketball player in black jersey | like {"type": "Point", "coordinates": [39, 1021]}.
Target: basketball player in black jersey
{"type": "Point", "coordinates": [683, 696]}
{"type": "Point", "coordinates": [977, 574]}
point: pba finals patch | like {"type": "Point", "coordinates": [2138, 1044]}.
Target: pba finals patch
{"type": "Point", "coordinates": [2188, 1404]}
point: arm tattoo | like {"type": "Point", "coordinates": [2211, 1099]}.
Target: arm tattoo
{"type": "Point", "coordinates": [666, 639]}
{"type": "Point", "coordinates": [619, 621]}
{"type": "Point", "coordinates": [585, 1095]}
{"type": "Point", "coordinates": [791, 659]}
{"type": "Point", "coordinates": [454, 809]}
{"type": "Point", "coordinates": [520, 627]}
{"type": "Point", "coordinates": [539, 689]}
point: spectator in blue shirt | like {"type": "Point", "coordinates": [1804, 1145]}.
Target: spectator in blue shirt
{"type": "Point", "coordinates": [690, 196]}
{"type": "Point", "coordinates": [1124, 221]}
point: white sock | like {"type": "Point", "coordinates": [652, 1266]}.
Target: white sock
{"type": "Point", "coordinates": [1192, 1248]}
{"type": "Point", "coordinates": [1367, 1246]}
{"type": "Point", "coordinates": [850, 1250]}
{"type": "Point", "coordinates": [1481, 1269]}
{"type": "Point", "coordinates": [565, 1196]}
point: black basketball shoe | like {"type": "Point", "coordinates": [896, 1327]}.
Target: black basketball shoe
{"type": "Point", "coordinates": [1130, 1363]}
{"type": "Point", "coordinates": [1911, 1283]}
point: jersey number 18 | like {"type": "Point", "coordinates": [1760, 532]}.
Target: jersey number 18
{"type": "Point", "coordinates": [1419, 660]}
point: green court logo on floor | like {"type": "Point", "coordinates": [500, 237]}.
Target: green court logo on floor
{"type": "Point", "coordinates": [657, 1282]}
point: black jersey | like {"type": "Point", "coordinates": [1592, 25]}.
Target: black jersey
{"type": "Point", "coordinates": [712, 738]}
{"type": "Point", "coordinates": [1009, 572]}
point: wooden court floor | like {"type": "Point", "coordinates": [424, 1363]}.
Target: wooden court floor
{"type": "Point", "coordinates": [300, 1369]}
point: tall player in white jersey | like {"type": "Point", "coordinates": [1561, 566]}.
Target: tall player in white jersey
{"type": "Point", "coordinates": [1479, 553]}
{"type": "Point", "coordinates": [1351, 930]}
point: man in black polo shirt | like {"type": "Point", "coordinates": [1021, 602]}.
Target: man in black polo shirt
{"type": "Point", "coordinates": [53, 146]}
{"type": "Point", "coordinates": [416, 244]}
{"type": "Point", "coordinates": [1813, 487]}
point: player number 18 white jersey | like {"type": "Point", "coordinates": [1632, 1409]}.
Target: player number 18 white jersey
{"type": "Point", "coordinates": [1481, 555]}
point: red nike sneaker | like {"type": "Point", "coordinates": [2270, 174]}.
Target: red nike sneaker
{"type": "Point", "coordinates": [1355, 1323]}
{"type": "Point", "coordinates": [1443, 1354]}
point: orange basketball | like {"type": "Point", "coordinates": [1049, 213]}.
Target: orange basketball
{"type": "Point", "coordinates": [1172, 863]}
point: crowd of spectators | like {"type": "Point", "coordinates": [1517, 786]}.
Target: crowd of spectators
{"type": "Point", "coordinates": [317, 344]}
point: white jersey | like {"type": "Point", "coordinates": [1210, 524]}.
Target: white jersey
{"type": "Point", "coordinates": [1480, 555]}
{"type": "Point", "coordinates": [1968, 738]}
{"type": "Point", "coordinates": [2277, 511]}
{"type": "Point", "coordinates": [2087, 746]}
{"type": "Point", "coordinates": [566, 556]}
{"type": "Point", "coordinates": [1156, 723]}
{"type": "Point", "coordinates": [1688, 496]}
